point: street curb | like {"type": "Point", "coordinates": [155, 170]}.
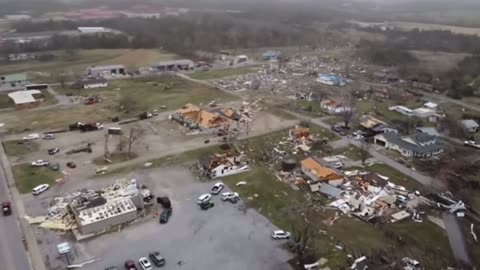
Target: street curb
{"type": "Point", "coordinates": [34, 256]}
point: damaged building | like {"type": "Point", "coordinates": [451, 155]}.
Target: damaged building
{"type": "Point", "coordinates": [217, 121]}
{"type": "Point", "coordinates": [219, 165]}
{"type": "Point", "coordinates": [319, 174]}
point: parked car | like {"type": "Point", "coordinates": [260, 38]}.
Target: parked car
{"type": "Point", "coordinates": [471, 144]}
{"type": "Point", "coordinates": [207, 205]}
{"type": "Point", "coordinates": [280, 234]}
{"type": "Point", "coordinates": [145, 263]}
{"type": "Point", "coordinates": [165, 215]}
{"type": "Point", "coordinates": [40, 189]}
{"type": "Point", "coordinates": [130, 265]}
{"type": "Point", "coordinates": [233, 200]}
{"type": "Point", "coordinates": [337, 165]}
{"type": "Point", "coordinates": [229, 195]}
{"type": "Point", "coordinates": [155, 112]}
{"type": "Point", "coordinates": [55, 167]}
{"type": "Point", "coordinates": [217, 188]}
{"type": "Point", "coordinates": [30, 137]}
{"type": "Point", "coordinates": [71, 165]}
{"type": "Point", "coordinates": [49, 136]}
{"type": "Point", "coordinates": [53, 151]}
{"type": "Point", "coordinates": [158, 260]}
{"type": "Point", "coordinates": [40, 163]}
{"type": "Point", "coordinates": [6, 208]}
{"type": "Point", "coordinates": [204, 198]}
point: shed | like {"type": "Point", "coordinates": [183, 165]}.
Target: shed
{"type": "Point", "coordinates": [25, 99]}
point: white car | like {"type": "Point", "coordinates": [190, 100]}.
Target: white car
{"type": "Point", "coordinates": [30, 137]}
{"type": "Point", "coordinates": [204, 198]}
{"type": "Point", "coordinates": [40, 163]}
{"type": "Point", "coordinates": [49, 136]}
{"type": "Point", "coordinates": [40, 189]}
{"type": "Point", "coordinates": [280, 234]}
{"type": "Point", "coordinates": [229, 195]}
{"type": "Point", "coordinates": [217, 188]}
{"type": "Point", "coordinates": [145, 263]}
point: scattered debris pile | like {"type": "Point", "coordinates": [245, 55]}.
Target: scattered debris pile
{"type": "Point", "coordinates": [223, 164]}
{"type": "Point", "coordinates": [91, 212]}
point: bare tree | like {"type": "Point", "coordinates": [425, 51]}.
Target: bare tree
{"type": "Point", "coordinates": [302, 238]}
{"type": "Point", "coordinates": [121, 144]}
{"type": "Point", "coordinates": [136, 134]}
{"type": "Point", "coordinates": [62, 79]}
{"type": "Point", "coordinates": [364, 151]}
{"type": "Point", "coordinates": [348, 104]}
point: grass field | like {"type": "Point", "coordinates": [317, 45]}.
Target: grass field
{"type": "Point", "coordinates": [28, 177]}
{"type": "Point", "coordinates": [74, 65]}
{"type": "Point", "coordinates": [221, 73]}
{"type": "Point", "coordinates": [430, 27]}
{"type": "Point", "coordinates": [135, 95]}
{"type": "Point", "coordinates": [19, 147]}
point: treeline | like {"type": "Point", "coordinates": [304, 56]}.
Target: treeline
{"type": "Point", "coordinates": [435, 40]}
{"type": "Point", "coordinates": [51, 25]}
{"type": "Point", "coordinates": [383, 54]}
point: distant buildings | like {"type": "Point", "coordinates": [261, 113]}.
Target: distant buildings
{"type": "Point", "coordinates": [102, 71]}
{"type": "Point", "coordinates": [92, 30]}
{"type": "Point", "coordinates": [174, 65]}
{"type": "Point", "coordinates": [18, 80]}
{"type": "Point", "coordinates": [89, 83]}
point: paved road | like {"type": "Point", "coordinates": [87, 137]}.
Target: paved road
{"type": "Point", "coordinates": [456, 239]}
{"type": "Point", "coordinates": [12, 251]}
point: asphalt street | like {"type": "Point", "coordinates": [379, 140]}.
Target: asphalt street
{"type": "Point", "coordinates": [13, 255]}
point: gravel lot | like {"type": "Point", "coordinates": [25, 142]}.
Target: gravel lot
{"type": "Point", "coordinates": [225, 237]}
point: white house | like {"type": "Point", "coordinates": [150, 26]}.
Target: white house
{"type": "Point", "coordinates": [89, 83]}
{"type": "Point", "coordinates": [219, 165]}
{"type": "Point", "coordinates": [470, 125]}
{"type": "Point", "coordinates": [420, 145]}
{"type": "Point", "coordinates": [402, 109]}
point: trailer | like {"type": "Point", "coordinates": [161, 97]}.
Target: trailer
{"type": "Point", "coordinates": [86, 149]}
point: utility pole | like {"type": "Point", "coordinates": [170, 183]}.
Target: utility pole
{"type": "Point", "coordinates": [107, 156]}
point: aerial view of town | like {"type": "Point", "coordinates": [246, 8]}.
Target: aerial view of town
{"type": "Point", "coordinates": [240, 135]}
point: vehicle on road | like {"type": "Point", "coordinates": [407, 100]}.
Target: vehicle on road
{"type": "Point", "coordinates": [30, 137]}
{"type": "Point", "coordinates": [204, 198]}
{"type": "Point", "coordinates": [280, 234]}
{"type": "Point", "coordinates": [145, 263]}
{"type": "Point", "coordinates": [49, 136]}
{"type": "Point", "coordinates": [130, 265]}
{"type": "Point", "coordinates": [217, 188]}
{"type": "Point", "coordinates": [165, 215]}
{"type": "Point", "coordinates": [6, 208]}
{"type": "Point", "coordinates": [53, 151]}
{"type": "Point", "coordinates": [206, 205]}
{"type": "Point", "coordinates": [157, 260]}
{"type": "Point", "coordinates": [40, 163]}
{"type": "Point", "coordinates": [71, 165]}
{"type": "Point", "coordinates": [229, 195]}
{"type": "Point", "coordinates": [471, 144]}
{"type": "Point", "coordinates": [40, 189]}
{"type": "Point", "coordinates": [55, 167]}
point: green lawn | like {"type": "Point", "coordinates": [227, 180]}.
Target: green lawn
{"type": "Point", "coordinates": [351, 151]}
{"type": "Point", "coordinates": [310, 108]}
{"type": "Point", "coordinates": [395, 176]}
{"type": "Point", "coordinates": [221, 73]}
{"type": "Point", "coordinates": [122, 98]}
{"type": "Point", "coordinates": [28, 177]}
{"type": "Point", "coordinates": [19, 147]}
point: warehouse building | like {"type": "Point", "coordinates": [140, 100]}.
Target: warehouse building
{"type": "Point", "coordinates": [102, 71]}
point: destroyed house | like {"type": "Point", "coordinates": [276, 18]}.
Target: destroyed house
{"type": "Point", "coordinates": [317, 172]}
{"type": "Point", "coordinates": [219, 165]}
{"type": "Point", "coordinates": [373, 126]}
{"type": "Point", "coordinates": [333, 107]}
{"type": "Point", "coordinates": [196, 118]}
{"type": "Point", "coordinates": [299, 133]}
{"type": "Point", "coordinates": [89, 83]}
{"type": "Point", "coordinates": [174, 65]}
{"type": "Point", "coordinates": [420, 145]}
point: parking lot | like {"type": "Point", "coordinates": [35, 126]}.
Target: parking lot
{"type": "Point", "coordinates": [227, 236]}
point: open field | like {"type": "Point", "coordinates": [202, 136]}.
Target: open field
{"type": "Point", "coordinates": [134, 95]}
{"type": "Point", "coordinates": [221, 73]}
{"type": "Point", "coordinates": [28, 177]}
{"type": "Point", "coordinates": [438, 62]}
{"type": "Point", "coordinates": [430, 27]}
{"type": "Point", "coordinates": [17, 148]}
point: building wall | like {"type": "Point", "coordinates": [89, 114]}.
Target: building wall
{"type": "Point", "coordinates": [107, 223]}
{"type": "Point", "coordinates": [96, 85]}
{"type": "Point", "coordinates": [27, 105]}
{"type": "Point", "coordinates": [224, 170]}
